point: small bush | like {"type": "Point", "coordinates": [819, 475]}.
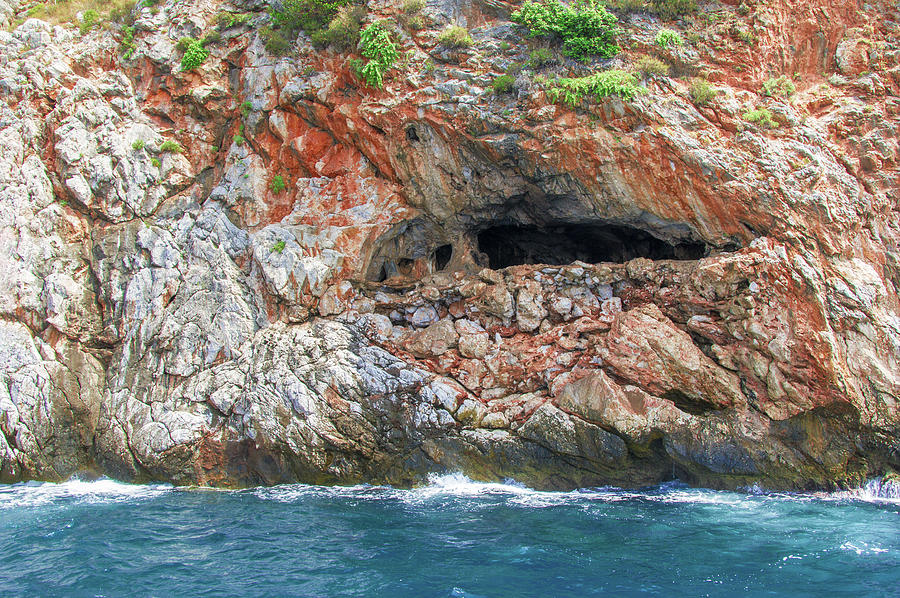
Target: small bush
{"type": "Point", "coordinates": [274, 42]}
{"type": "Point", "coordinates": [171, 146]}
{"type": "Point", "coordinates": [227, 20]}
{"type": "Point", "coordinates": [184, 43]}
{"type": "Point", "coordinates": [194, 56]}
{"type": "Point", "coordinates": [213, 37]}
{"type": "Point", "coordinates": [306, 15]}
{"type": "Point", "coordinates": [89, 19]}
{"type": "Point", "coordinates": [238, 139]}
{"type": "Point", "coordinates": [701, 92]}
{"type": "Point", "coordinates": [343, 30]}
{"type": "Point", "coordinates": [127, 45]}
{"type": "Point", "coordinates": [600, 85]}
{"type": "Point", "coordinates": [667, 38]}
{"type": "Point", "coordinates": [277, 185]}
{"type": "Point", "coordinates": [138, 145]}
{"type": "Point", "coordinates": [246, 108]}
{"type": "Point", "coordinates": [539, 58]}
{"type": "Point", "coordinates": [651, 67]}
{"type": "Point", "coordinates": [376, 45]}
{"type": "Point", "coordinates": [503, 84]}
{"type": "Point", "coordinates": [454, 36]}
{"type": "Point", "coordinates": [779, 87]}
{"type": "Point", "coordinates": [587, 29]}
{"type": "Point", "coordinates": [155, 162]}
{"type": "Point", "coordinates": [671, 9]}
{"type": "Point", "coordinates": [278, 247]}
{"type": "Point", "coordinates": [761, 117]}
{"type": "Point", "coordinates": [411, 7]}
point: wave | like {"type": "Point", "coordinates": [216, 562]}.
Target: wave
{"type": "Point", "coordinates": [440, 487]}
{"type": "Point", "coordinates": [877, 490]}
{"type": "Point", "coordinates": [33, 494]}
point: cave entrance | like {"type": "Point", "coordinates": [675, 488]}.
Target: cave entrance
{"type": "Point", "coordinates": [559, 244]}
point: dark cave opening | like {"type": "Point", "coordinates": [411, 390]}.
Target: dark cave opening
{"type": "Point", "coordinates": [442, 256]}
{"type": "Point", "coordinates": [591, 243]}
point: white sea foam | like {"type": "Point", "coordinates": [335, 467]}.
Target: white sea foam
{"type": "Point", "coordinates": [439, 488]}
{"type": "Point", "coordinates": [31, 494]}
{"type": "Point", "coordinates": [876, 490]}
{"type": "Point", "coordinates": [862, 548]}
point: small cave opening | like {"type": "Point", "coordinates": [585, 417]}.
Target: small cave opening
{"type": "Point", "coordinates": [442, 256]}
{"type": "Point", "coordinates": [558, 244]}
{"type": "Point", "coordinates": [411, 134]}
{"type": "Point", "coordinates": [412, 267]}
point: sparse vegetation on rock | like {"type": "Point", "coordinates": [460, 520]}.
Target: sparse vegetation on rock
{"type": "Point", "coordinates": [277, 185]}
{"type": "Point", "coordinates": [572, 90]}
{"type": "Point", "coordinates": [194, 55]}
{"type": "Point", "coordinates": [454, 36]}
{"type": "Point", "coordinates": [761, 117]}
{"type": "Point", "coordinates": [667, 38]}
{"type": "Point", "coordinates": [701, 92]}
{"type": "Point", "coordinates": [779, 87]}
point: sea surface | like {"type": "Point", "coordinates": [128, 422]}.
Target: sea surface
{"type": "Point", "coordinates": [453, 537]}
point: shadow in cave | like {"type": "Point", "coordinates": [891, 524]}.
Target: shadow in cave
{"type": "Point", "coordinates": [564, 243]}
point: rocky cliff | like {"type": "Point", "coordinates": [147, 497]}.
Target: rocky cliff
{"type": "Point", "coordinates": [617, 291]}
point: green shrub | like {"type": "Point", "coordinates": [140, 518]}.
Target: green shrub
{"type": "Point", "coordinates": [411, 7]}
{"type": "Point", "coordinates": [586, 29]}
{"type": "Point", "coordinates": [246, 108]}
{"type": "Point", "coordinates": [278, 247]}
{"type": "Point", "coordinates": [670, 9]}
{"type": "Point", "coordinates": [343, 30]}
{"type": "Point", "coordinates": [213, 37]}
{"type": "Point", "coordinates": [138, 145]}
{"type": "Point", "coordinates": [194, 56]}
{"type": "Point", "coordinates": [761, 117]}
{"type": "Point", "coordinates": [376, 45]}
{"type": "Point", "coordinates": [238, 139]}
{"type": "Point", "coordinates": [503, 84]}
{"type": "Point", "coordinates": [155, 162]}
{"type": "Point", "coordinates": [781, 86]}
{"type": "Point", "coordinates": [651, 67]}
{"type": "Point", "coordinates": [454, 36]}
{"type": "Point", "coordinates": [226, 20]}
{"type": "Point", "coordinates": [701, 92]}
{"type": "Point", "coordinates": [306, 15]}
{"type": "Point", "coordinates": [667, 38]}
{"type": "Point", "coordinates": [89, 19]}
{"type": "Point", "coordinates": [277, 185]}
{"type": "Point", "coordinates": [127, 45]}
{"type": "Point", "coordinates": [599, 85]}
{"type": "Point", "coordinates": [274, 42]}
{"type": "Point", "coordinates": [539, 58]}
{"type": "Point", "coordinates": [171, 146]}
{"type": "Point", "coordinates": [184, 43]}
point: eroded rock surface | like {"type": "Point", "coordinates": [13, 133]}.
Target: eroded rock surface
{"type": "Point", "coordinates": [175, 315]}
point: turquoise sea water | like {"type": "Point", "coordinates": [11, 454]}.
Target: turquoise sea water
{"type": "Point", "coordinates": [451, 538]}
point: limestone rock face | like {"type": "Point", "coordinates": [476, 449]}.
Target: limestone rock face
{"type": "Point", "coordinates": [264, 271]}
